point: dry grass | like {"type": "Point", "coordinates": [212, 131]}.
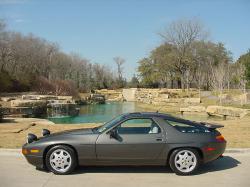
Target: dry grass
{"type": "Point", "coordinates": [153, 108]}
{"type": "Point", "coordinates": [13, 132]}
{"type": "Point", "coordinates": [236, 132]}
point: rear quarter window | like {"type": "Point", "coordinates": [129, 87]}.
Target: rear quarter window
{"type": "Point", "coordinates": [187, 128]}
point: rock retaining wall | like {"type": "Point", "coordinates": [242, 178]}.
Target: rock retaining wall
{"type": "Point", "coordinates": [111, 95]}
{"type": "Point", "coordinates": [152, 96]}
{"type": "Point", "coordinates": [164, 96]}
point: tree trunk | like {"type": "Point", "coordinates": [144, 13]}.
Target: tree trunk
{"type": "Point", "coordinates": [179, 83]}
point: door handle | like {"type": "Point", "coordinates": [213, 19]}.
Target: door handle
{"type": "Point", "coordinates": [159, 139]}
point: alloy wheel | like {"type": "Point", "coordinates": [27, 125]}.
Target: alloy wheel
{"type": "Point", "coordinates": [60, 160]}
{"type": "Point", "coordinates": [185, 161]}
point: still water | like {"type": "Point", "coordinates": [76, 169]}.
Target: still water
{"type": "Point", "coordinates": [99, 113]}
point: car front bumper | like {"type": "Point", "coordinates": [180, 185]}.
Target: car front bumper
{"type": "Point", "coordinates": [35, 160]}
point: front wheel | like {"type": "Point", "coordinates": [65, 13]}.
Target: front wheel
{"type": "Point", "coordinates": [61, 160]}
{"type": "Point", "coordinates": [184, 161]}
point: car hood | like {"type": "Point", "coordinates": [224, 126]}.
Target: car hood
{"type": "Point", "coordinates": [75, 131]}
{"type": "Point", "coordinates": [70, 132]}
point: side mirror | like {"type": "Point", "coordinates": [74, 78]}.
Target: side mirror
{"type": "Point", "coordinates": [113, 133]}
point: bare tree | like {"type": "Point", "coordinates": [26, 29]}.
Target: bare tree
{"type": "Point", "coordinates": [119, 62]}
{"type": "Point", "coordinates": [240, 73]}
{"type": "Point", "coordinates": [219, 76]}
{"type": "Point", "coordinates": [182, 34]}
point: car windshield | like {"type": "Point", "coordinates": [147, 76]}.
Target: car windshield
{"type": "Point", "coordinates": [109, 124]}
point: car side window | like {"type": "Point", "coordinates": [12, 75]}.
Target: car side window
{"type": "Point", "coordinates": [138, 126]}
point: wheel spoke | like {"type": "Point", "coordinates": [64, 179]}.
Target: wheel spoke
{"type": "Point", "coordinates": [178, 161]}
{"type": "Point", "coordinates": [185, 155]}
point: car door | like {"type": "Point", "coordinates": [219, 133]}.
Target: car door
{"type": "Point", "coordinates": [137, 140]}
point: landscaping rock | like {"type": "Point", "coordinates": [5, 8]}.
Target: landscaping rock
{"type": "Point", "coordinates": [97, 98]}
{"type": "Point", "coordinates": [7, 99]}
{"type": "Point", "coordinates": [40, 97]}
{"type": "Point", "coordinates": [27, 103]}
{"type": "Point", "coordinates": [192, 100]}
{"type": "Point", "coordinates": [226, 111]}
{"type": "Point", "coordinates": [193, 109]}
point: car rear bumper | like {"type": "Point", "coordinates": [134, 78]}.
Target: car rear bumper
{"type": "Point", "coordinates": [217, 149]}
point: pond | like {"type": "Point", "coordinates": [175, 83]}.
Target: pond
{"type": "Point", "coordinates": [99, 113]}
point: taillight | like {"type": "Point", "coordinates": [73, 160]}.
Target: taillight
{"type": "Point", "coordinates": [220, 138]}
{"type": "Point", "coordinates": [208, 149]}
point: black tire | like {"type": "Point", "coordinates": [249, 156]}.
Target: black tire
{"type": "Point", "coordinates": [175, 166]}
{"type": "Point", "coordinates": [66, 150]}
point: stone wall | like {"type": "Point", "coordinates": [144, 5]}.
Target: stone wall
{"type": "Point", "coordinates": [129, 94]}
{"type": "Point", "coordinates": [165, 96]}
{"type": "Point", "coordinates": [111, 95]}
{"type": "Point", "coordinates": [32, 105]}
{"type": "Point", "coordinates": [27, 103]}
{"type": "Point", "coordinates": [151, 96]}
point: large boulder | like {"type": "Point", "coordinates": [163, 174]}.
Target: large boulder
{"type": "Point", "coordinates": [226, 111]}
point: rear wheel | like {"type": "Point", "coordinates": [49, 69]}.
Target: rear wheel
{"type": "Point", "coordinates": [61, 160]}
{"type": "Point", "coordinates": [184, 161]}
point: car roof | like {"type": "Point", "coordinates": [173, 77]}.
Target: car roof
{"type": "Point", "coordinates": [148, 114]}
{"type": "Point", "coordinates": [159, 115]}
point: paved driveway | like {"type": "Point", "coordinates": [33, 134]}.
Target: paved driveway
{"type": "Point", "coordinates": [232, 170]}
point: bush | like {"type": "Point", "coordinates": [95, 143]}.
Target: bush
{"type": "Point", "coordinates": [58, 87]}
{"type": "Point", "coordinates": [9, 84]}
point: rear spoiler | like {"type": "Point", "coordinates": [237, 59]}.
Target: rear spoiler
{"type": "Point", "coordinates": [211, 126]}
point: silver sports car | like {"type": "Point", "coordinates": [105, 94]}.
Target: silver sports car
{"type": "Point", "coordinates": [129, 139]}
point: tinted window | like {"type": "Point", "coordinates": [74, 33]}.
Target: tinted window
{"type": "Point", "coordinates": [139, 126]}
{"type": "Point", "coordinates": [187, 128]}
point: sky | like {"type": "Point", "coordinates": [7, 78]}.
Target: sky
{"type": "Point", "coordinates": [100, 30]}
